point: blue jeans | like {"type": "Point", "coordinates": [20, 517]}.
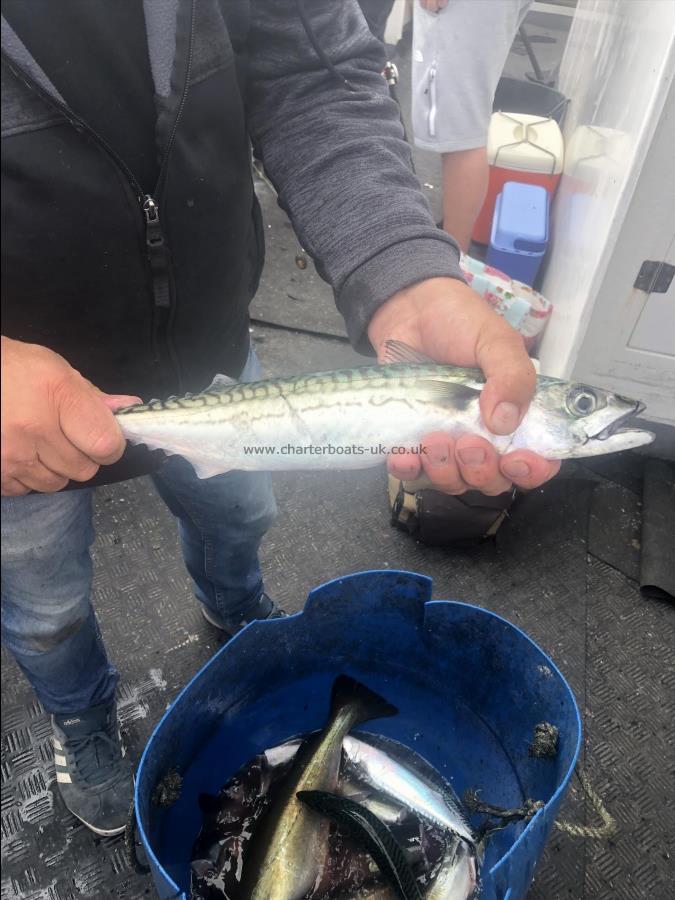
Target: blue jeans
{"type": "Point", "coordinates": [47, 619]}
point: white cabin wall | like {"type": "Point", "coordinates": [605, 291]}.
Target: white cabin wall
{"type": "Point", "coordinates": [629, 344]}
{"type": "Point", "coordinates": [617, 70]}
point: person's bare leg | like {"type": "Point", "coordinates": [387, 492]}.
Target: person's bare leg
{"type": "Point", "coordinates": [465, 183]}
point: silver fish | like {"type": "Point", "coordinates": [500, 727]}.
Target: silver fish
{"type": "Point", "coordinates": [457, 877]}
{"type": "Point", "coordinates": [419, 794]}
{"type": "Point", "coordinates": [288, 847]}
{"type": "Point", "coordinates": [352, 418]}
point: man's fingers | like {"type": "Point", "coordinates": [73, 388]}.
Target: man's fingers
{"type": "Point", "coordinates": [88, 424]}
{"type": "Point", "coordinates": [66, 460]}
{"type": "Point", "coordinates": [478, 463]}
{"type": "Point", "coordinates": [52, 464]}
{"type": "Point", "coordinates": [404, 466]}
{"type": "Point", "coordinates": [472, 463]}
{"type": "Point", "coordinates": [511, 378]}
{"type": "Point", "coordinates": [37, 477]}
{"type": "Point", "coordinates": [119, 401]}
{"type": "Point", "coordinates": [440, 465]}
{"type": "Point", "coordinates": [12, 487]}
{"type": "Point", "coordinates": [528, 470]}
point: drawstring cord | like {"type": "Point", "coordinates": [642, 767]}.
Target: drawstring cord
{"type": "Point", "coordinates": [318, 49]}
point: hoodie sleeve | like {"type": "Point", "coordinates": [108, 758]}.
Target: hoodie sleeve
{"type": "Point", "coordinates": [331, 140]}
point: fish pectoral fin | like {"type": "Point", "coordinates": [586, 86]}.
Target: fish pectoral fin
{"type": "Point", "coordinates": [207, 468]}
{"type": "Point", "coordinates": [143, 440]}
{"type": "Point", "coordinates": [221, 381]}
{"type": "Point", "coordinates": [399, 352]}
{"type": "Point", "coordinates": [204, 467]}
{"type": "Point", "coordinates": [449, 393]}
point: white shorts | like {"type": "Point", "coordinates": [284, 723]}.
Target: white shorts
{"type": "Point", "coordinates": [459, 55]}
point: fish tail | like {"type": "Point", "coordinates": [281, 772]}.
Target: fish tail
{"type": "Point", "coordinates": [366, 704]}
{"type": "Point", "coordinates": [369, 832]}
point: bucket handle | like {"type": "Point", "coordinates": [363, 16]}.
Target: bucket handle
{"type": "Point", "coordinates": [131, 844]}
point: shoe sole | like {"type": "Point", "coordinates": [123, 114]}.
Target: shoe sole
{"type": "Point", "coordinates": [103, 832]}
{"type": "Point", "coordinates": [216, 624]}
{"type": "Point", "coordinates": [213, 622]}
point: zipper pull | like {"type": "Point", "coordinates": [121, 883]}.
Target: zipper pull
{"type": "Point", "coordinates": [157, 253]}
{"type": "Point", "coordinates": [150, 210]}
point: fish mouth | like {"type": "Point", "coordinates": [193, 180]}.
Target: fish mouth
{"type": "Point", "coordinates": [615, 426]}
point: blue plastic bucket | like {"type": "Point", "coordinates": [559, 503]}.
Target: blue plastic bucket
{"type": "Point", "coordinates": [470, 688]}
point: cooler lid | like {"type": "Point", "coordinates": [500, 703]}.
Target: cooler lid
{"type": "Point", "coordinates": [521, 219]}
{"type": "Point", "coordinates": [526, 143]}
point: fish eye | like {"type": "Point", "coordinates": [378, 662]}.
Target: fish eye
{"type": "Point", "coordinates": [582, 401]}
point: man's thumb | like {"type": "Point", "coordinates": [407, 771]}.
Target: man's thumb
{"type": "Point", "coordinates": [511, 382]}
{"type": "Point", "coordinates": [89, 424]}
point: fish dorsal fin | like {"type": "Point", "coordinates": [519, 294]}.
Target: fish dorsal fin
{"type": "Point", "coordinates": [398, 352]}
{"type": "Point", "coordinates": [220, 382]}
{"type": "Point", "coordinates": [449, 393]}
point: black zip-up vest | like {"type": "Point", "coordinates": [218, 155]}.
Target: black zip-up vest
{"type": "Point", "coordinates": [143, 289]}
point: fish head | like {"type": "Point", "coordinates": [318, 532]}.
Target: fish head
{"type": "Point", "coordinates": [570, 420]}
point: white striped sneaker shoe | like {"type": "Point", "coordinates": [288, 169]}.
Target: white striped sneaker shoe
{"type": "Point", "coordinates": [93, 776]}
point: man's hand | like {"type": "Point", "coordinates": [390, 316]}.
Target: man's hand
{"type": "Point", "coordinates": [449, 322]}
{"type": "Point", "coordinates": [56, 426]}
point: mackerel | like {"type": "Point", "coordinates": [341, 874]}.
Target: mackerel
{"type": "Point", "coordinates": [353, 418]}
{"type": "Point", "coordinates": [370, 764]}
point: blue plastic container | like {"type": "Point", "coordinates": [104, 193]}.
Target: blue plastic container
{"type": "Point", "coordinates": [470, 688]}
{"type": "Point", "coordinates": [519, 237]}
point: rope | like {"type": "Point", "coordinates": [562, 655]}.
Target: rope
{"type": "Point", "coordinates": [592, 832]}
{"type": "Point", "coordinates": [503, 816]}
{"type": "Point", "coordinates": [524, 812]}
{"type": "Point", "coordinates": [530, 807]}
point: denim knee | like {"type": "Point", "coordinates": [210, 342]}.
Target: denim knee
{"type": "Point", "coordinates": [46, 569]}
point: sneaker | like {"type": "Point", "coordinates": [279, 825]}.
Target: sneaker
{"type": "Point", "coordinates": [267, 609]}
{"type": "Point", "coordinates": [92, 774]}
